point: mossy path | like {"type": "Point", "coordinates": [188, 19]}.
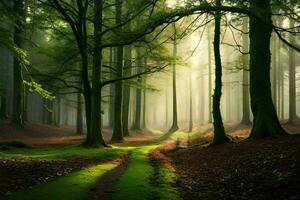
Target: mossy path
{"type": "Point", "coordinates": [142, 178]}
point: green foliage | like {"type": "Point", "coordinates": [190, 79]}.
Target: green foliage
{"type": "Point", "coordinates": [35, 87]}
{"type": "Point", "coordinates": [62, 153]}
{"type": "Point", "coordinates": [74, 186]}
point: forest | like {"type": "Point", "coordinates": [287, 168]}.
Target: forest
{"type": "Point", "coordinates": [149, 99]}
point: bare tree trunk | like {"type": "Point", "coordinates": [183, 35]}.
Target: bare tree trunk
{"type": "Point", "coordinates": [18, 95]}
{"type": "Point", "coordinates": [79, 125]}
{"type": "Point", "coordinates": [126, 90]}
{"type": "Point", "coordinates": [246, 104]}
{"type": "Point", "coordinates": [265, 121]}
{"type": "Point", "coordinates": [138, 94]}
{"type": "Point", "coordinates": [191, 103]}
{"type": "Point", "coordinates": [111, 88]}
{"type": "Point", "coordinates": [118, 129]}
{"type": "Point", "coordinates": [219, 132]}
{"type": "Point", "coordinates": [292, 80]}
{"type": "Point", "coordinates": [174, 126]}
{"type": "Point", "coordinates": [95, 137]}
{"type": "Point", "coordinates": [209, 76]}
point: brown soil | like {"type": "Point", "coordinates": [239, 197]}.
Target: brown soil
{"type": "Point", "coordinates": [249, 169]}
{"type": "Point", "coordinates": [25, 173]}
{"type": "Point", "coordinates": [103, 188]}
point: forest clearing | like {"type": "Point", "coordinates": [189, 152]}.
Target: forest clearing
{"type": "Point", "coordinates": [149, 99]}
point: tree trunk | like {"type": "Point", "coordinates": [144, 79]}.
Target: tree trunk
{"type": "Point", "coordinates": [95, 136]}
{"type": "Point", "coordinates": [126, 90]}
{"type": "Point", "coordinates": [79, 125]}
{"type": "Point", "coordinates": [174, 126]}
{"type": "Point", "coordinates": [17, 115]}
{"type": "Point", "coordinates": [265, 121]}
{"type": "Point", "coordinates": [3, 114]}
{"type": "Point", "coordinates": [144, 97]}
{"type": "Point", "coordinates": [138, 96]}
{"type": "Point", "coordinates": [209, 75]}
{"type": "Point", "coordinates": [191, 104]}
{"type": "Point", "coordinates": [118, 129]}
{"type": "Point", "coordinates": [58, 106]}
{"type": "Point", "coordinates": [274, 70]}
{"type": "Point", "coordinates": [292, 80]}
{"type": "Point", "coordinates": [111, 89]}
{"type": "Point", "coordinates": [246, 104]}
{"type": "Point", "coordinates": [219, 132]}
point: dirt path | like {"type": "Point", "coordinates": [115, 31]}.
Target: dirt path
{"type": "Point", "coordinates": [102, 189]}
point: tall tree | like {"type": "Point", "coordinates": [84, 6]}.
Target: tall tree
{"type": "Point", "coordinates": [79, 118]}
{"type": "Point", "coordinates": [191, 103]}
{"type": "Point", "coordinates": [174, 126]}
{"type": "Point", "coordinates": [126, 89]}
{"type": "Point", "coordinates": [117, 128]}
{"type": "Point", "coordinates": [138, 94]}
{"type": "Point", "coordinates": [292, 79]}
{"type": "Point", "coordinates": [265, 121]}
{"type": "Point", "coordinates": [209, 74]}
{"type": "Point", "coordinates": [245, 60]}
{"type": "Point", "coordinates": [111, 87]}
{"type": "Point", "coordinates": [18, 96]}
{"type": "Point", "coordinates": [95, 137]}
{"type": "Point", "coordinates": [219, 132]}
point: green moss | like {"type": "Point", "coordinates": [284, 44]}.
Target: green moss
{"type": "Point", "coordinates": [62, 153]}
{"type": "Point", "coordinates": [135, 184]}
{"type": "Point", "coordinates": [74, 186]}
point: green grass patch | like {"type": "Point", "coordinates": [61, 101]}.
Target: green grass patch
{"type": "Point", "coordinates": [167, 177]}
{"type": "Point", "coordinates": [180, 135]}
{"type": "Point", "coordinates": [135, 184]}
{"type": "Point", "coordinates": [62, 153]}
{"type": "Point", "coordinates": [74, 186]}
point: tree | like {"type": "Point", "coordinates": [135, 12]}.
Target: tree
{"type": "Point", "coordinates": [117, 128]}
{"type": "Point", "coordinates": [138, 94]}
{"type": "Point", "coordinates": [245, 60]}
{"type": "Point", "coordinates": [209, 75]}
{"type": "Point", "coordinates": [126, 90]}
{"type": "Point", "coordinates": [18, 96]}
{"type": "Point", "coordinates": [265, 121]}
{"type": "Point", "coordinates": [292, 80]}
{"type": "Point", "coordinates": [174, 126]}
{"type": "Point", "coordinates": [219, 132]}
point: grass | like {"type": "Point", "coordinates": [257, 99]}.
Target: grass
{"type": "Point", "coordinates": [135, 184]}
{"type": "Point", "coordinates": [62, 153]}
{"type": "Point", "coordinates": [74, 186]}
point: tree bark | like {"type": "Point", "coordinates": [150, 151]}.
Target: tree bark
{"type": "Point", "coordinates": [111, 88]}
{"type": "Point", "coordinates": [246, 104]}
{"type": "Point", "coordinates": [95, 136]}
{"type": "Point", "coordinates": [144, 79]}
{"type": "Point", "coordinates": [265, 121]}
{"type": "Point", "coordinates": [292, 80]}
{"type": "Point", "coordinates": [18, 96]}
{"type": "Point", "coordinates": [79, 125]}
{"type": "Point", "coordinates": [174, 126]}
{"type": "Point", "coordinates": [219, 132]}
{"type": "Point", "coordinates": [138, 94]}
{"type": "Point", "coordinates": [118, 129]}
{"type": "Point", "coordinates": [126, 90]}
{"type": "Point", "coordinates": [191, 104]}
{"type": "Point", "coordinates": [209, 75]}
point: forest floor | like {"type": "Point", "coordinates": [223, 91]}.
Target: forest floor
{"type": "Point", "coordinates": [147, 166]}
{"type": "Point", "coordinates": [246, 169]}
